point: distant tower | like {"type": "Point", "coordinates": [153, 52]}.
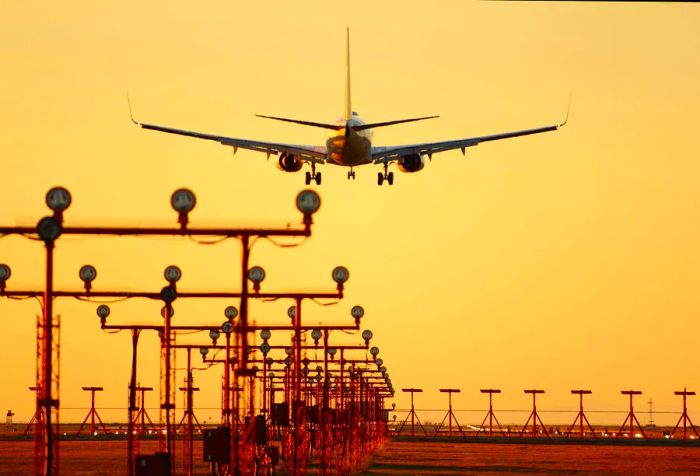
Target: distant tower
{"type": "Point", "coordinates": [651, 414]}
{"type": "Point", "coordinates": [8, 421]}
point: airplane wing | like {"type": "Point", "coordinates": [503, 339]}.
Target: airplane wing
{"type": "Point", "coordinates": [383, 155]}
{"type": "Point", "coordinates": [307, 153]}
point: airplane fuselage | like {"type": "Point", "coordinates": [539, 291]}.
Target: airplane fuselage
{"type": "Point", "coordinates": [349, 147]}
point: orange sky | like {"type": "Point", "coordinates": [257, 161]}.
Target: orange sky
{"type": "Point", "coordinates": [557, 261]}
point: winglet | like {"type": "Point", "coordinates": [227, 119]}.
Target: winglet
{"type": "Point", "coordinates": [131, 115]}
{"type": "Point", "coordinates": [568, 108]}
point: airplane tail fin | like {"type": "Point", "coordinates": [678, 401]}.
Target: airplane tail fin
{"type": "Point", "coordinates": [348, 107]}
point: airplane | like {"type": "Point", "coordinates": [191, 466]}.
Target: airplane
{"type": "Point", "coordinates": [350, 144]}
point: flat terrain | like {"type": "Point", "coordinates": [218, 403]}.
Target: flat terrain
{"type": "Point", "coordinates": [442, 458]}
{"type": "Point", "coordinates": [107, 457]}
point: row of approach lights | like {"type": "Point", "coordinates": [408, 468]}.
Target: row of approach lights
{"type": "Point", "coordinates": [58, 199]}
{"type": "Point", "coordinates": [231, 312]}
{"type": "Point", "coordinates": [172, 274]}
{"type": "Point", "coordinates": [183, 201]}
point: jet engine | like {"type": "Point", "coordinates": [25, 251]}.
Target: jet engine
{"type": "Point", "coordinates": [289, 163]}
{"type": "Point", "coordinates": [411, 163]}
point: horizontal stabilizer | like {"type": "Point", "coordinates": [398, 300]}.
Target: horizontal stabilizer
{"type": "Point", "coordinates": [390, 123]}
{"type": "Point", "coordinates": [334, 127]}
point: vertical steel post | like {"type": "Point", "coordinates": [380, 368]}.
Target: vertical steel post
{"type": "Point", "coordinates": [49, 445]}
{"type": "Point", "coordinates": [132, 403]}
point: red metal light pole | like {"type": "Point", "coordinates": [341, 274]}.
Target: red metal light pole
{"type": "Point", "coordinates": [412, 413]}
{"type": "Point", "coordinates": [92, 414]}
{"type": "Point", "coordinates": [450, 414]}
{"type": "Point", "coordinates": [684, 416]}
{"type": "Point", "coordinates": [631, 416]}
{"type": "Point", "coordinates": [581, 417]}
{"type": "Point", "coordinates": [534, 416]}
{"type": "Point", "coordinates": [142, 415]}
{"type": "Point", "coordinates": [490, 415]}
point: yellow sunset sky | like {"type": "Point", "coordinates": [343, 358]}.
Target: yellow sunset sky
{"type": "Point", "coordinates": [558, 261]}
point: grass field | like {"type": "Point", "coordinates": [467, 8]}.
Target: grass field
{"type": "Point", "coordinates": [406, 456]}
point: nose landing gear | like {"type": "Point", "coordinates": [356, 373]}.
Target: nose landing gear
{"type": "Point", "coordinates": [313, 175]}
{"type": "Point", "coordinates": [388, 176]}
{"type": "Point", "coordinates": [351, 174]}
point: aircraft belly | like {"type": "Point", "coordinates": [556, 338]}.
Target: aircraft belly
{"type": "Point", "coordinates": [350, 151]}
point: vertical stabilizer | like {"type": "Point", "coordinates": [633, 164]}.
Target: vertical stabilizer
{"type": "Point", "coordinates": [348, 107]}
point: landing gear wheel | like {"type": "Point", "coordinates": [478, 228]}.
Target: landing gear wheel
{"type": "Point", "coordinates": [351, 175]}
{"type": "Point", "coordinates": [308, 178]}
{"type": "Point", "coordinates": [318, 178]}
{"type": "Point", "coordinates": [380, 178]}
{"type": "Point", "coordinates": [390, 178]}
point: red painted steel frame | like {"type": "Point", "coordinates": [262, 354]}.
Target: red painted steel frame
{"type": "Point", "coordinates": [684, 416]}
{"type": "Point", "coordinates": [534, 416]}
{"type": "Point", "coordinates": [631, 416]}
{"type": "Point", "coordinates": [490, 415]}
{"type": "Point", "coordinates": [581, 417]}
{"type": "Point", "coordinates": [450, 414]}
{"type": "Point", "coordinates": [92, 413]}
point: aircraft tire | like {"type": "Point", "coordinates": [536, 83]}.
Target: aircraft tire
{"type": "Point", "coordinates": [318, 178]}
{"type": "Point", "coordinates": [390, 178]}
{"type": "Point", "coordinates": [308, 178]}
{"type": "Point", "coordinates": [380, 179]}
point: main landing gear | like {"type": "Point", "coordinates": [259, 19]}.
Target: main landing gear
{"type": "Point", "coordinates": [313, 175]}
{"type": "Point", "coordinates": [388, 176]}
{"type": "Point", "coordinates": [351, 174]}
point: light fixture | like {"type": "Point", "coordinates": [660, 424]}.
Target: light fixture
{"type": "Point", "coordinates": [367, 336]}
{"type": "Point", "coordinates": [357, 312]}
{"type": "Point", "coordinates": [87, 274]}
{"type": "Point", "coordinates": [183, 202]}
{"type": "Point", "coordinates": [374, 351]}
{"type": "Point", "coordinates": [316, 335]}
{"type": "Point", "coordinates": [214, 335]}
{"type": "Point", "coordinates": [288, 361]}
{"type": "Point", "coordinates": [340, 276]}
{"type": "Point", "coordinates": [257, 275]}
{"type": "Point", "coordinates": [292, 312]}
{"type": "Point", "coordinates": [168, 294]}
{"type": "Point", "coordinates": [231, 312]}
{"type": "Point", "coordinates": [227, 327]}
{"type": "Point", "coordinates": [58, 199]}
{"type": "Point", "coordinates": [204, 351]}
{"type": "Point", "coordinates": [168, 309]}
{"type": "Point", "coordinates": [103, 312]}
{"type": "Point", "coordinates": [49, 229]}
{"type": "Point", "coordinates": [172, 274]}
{"type": "Point", "coordinates": [308, 203]}
{"type": "Point", "coordinates": [265, 334]}
{"type": "Point", "coordinates": [264, 348]}
{"type": "Point", "coordinates": [332, 351]}
{"type": "Point", "coordinates": [379, 362]}
{"type": "Point", "coordinates": [5, 273]}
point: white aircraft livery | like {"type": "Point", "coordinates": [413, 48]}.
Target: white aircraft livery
{"type": "Point", "coordinates": [350, 144]}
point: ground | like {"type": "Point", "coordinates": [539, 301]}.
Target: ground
{"type": "Point", "coordinates": [412, 457]}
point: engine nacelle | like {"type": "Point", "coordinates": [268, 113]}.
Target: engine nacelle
{"type": "Point", "coordinates": [411, 163]}
{"type": "Point", "coordinates": [289, 163]}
